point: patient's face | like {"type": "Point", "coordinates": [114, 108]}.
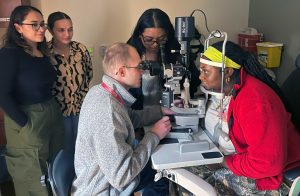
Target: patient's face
{"type": "Point", "coordinates": [210, 77]}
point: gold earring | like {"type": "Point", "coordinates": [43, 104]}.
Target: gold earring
{"type": "Point", "coordinates": [227, 80]}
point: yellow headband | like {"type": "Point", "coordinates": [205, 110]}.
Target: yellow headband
{"type": "Point", "coordinates": [216, 56]}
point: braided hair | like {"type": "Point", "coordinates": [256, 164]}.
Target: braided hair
{"type": "Point", "coordinates": [252, 66]}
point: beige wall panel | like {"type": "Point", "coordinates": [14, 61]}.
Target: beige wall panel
{"type": "Point", "coordinates": [103, 22]}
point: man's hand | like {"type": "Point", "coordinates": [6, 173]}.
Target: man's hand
{"type": "Point", "coordinates": [162, 127]}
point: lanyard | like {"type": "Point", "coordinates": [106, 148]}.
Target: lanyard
{"type": "Point", "coordinates": [112, 92]}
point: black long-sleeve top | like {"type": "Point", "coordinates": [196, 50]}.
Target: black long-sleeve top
{"type": "Point", "coordinates": [24, 80]}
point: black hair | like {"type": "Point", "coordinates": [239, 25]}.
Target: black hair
{"type": "Point", "coordinates": [13, 38]}
{"type": "Point", "coordinates": [53, 17]}
{"type": "Point", "coordinates": [252, 66]}
{"type": "Point", "coordinates": [155, 18]}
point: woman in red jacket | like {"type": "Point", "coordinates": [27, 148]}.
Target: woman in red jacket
{"type": "Point", "coordinates": [262, 141]}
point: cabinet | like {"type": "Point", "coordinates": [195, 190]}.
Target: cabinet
{"type": "Point", "coordinates": [6, 7]}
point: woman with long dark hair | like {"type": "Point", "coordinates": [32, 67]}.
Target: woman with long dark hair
{"type": "Point", "coordinates": [153, 32]}
{"type": "Point", "coordinates": [33, 120]}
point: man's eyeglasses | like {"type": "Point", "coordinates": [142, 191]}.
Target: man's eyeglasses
{"type": "Point", "coordinates": [139, 67]}
{"type": "Point", "coordinates": [150, 40]}
{"type": "Point", "coordinates": [36, 26]}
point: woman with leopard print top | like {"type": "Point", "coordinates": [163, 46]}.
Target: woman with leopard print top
{"type": "Point", "coordinates": [74, 72]}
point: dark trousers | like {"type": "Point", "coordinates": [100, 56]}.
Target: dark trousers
{"type": "Point", "coordinates": [148, 186]}
{"type": "Point", "coordinates": [71, 126]}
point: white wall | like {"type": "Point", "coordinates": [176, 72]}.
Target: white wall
{"type": "Point", "coordinates": [279, 24]}
{"type": "Point", "coordinates": [98, 22]}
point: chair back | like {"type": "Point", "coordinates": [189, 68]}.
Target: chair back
{"type": "Point", "coordinates": [295, 189]}
{"type": "Point", "coordinates": [61, 173]}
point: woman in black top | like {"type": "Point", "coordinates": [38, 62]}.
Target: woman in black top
{"type": "Point", "coordinates": [154, 29]}
{"type": "Point", "coordinates": [33, 121]}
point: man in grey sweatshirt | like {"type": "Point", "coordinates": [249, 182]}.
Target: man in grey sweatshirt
{"type": "Point", "coordinates": [107, 160]}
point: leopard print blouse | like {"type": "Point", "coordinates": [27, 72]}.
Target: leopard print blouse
{"type": "Point", "coordinates": [73, 77]}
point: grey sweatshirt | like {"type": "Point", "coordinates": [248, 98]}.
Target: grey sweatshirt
{"type": "Point", "coordinates": [106, 160]}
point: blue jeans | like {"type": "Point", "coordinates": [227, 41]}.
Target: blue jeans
{"type": "Point", "coordinates": [71, 126]}
{"type": "Point", "coordinates": [148, 186]}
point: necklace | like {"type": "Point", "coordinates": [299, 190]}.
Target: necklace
{"type": "Point", "coordinates": [64, 54]}
{"type": "Point", "coordinates": [63, 51]}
